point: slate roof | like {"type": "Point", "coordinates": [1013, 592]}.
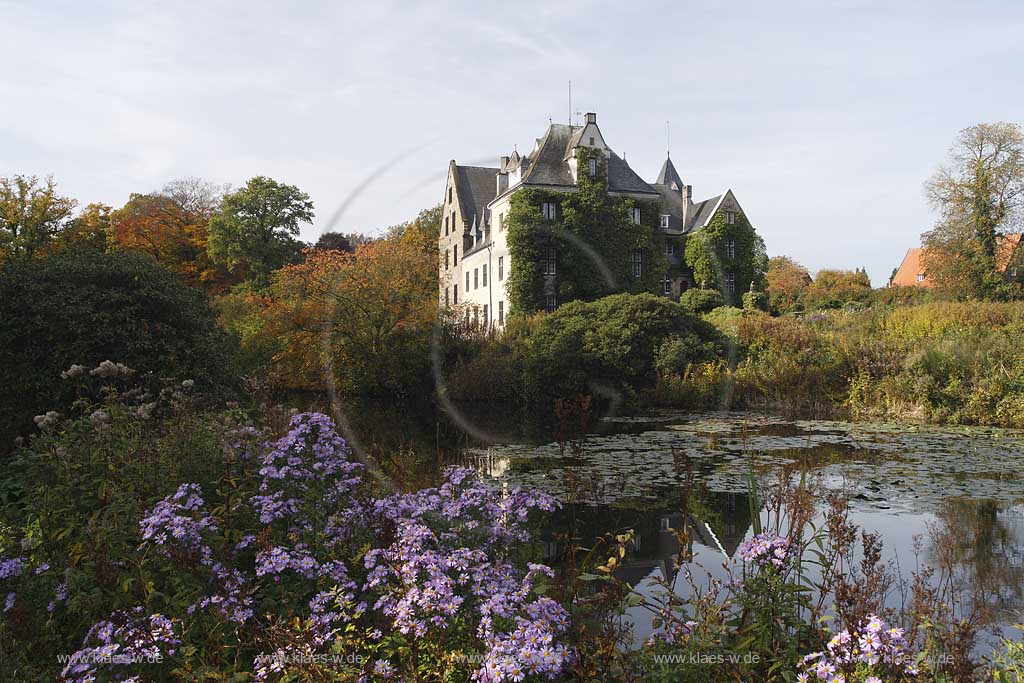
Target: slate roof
{"type": "Point", "coordinates": [547, 162]}
{"type": "Point", "coordinates": [669, 175]}
{"type": "Point", "coordinates": [476, 187]}
{"type": "Point", "coordinates": [701, 213]}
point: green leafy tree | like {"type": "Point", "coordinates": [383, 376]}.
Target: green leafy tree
{"type": "Point", "coordinates": [979, 194]}
{"type": "Point", "coordinates": [32, 214]}
{"type": "Point", "coordinates": [88, 231]}
{"type": "Point", "coordinates": [709, 256]}
{"type": "Point", "coordinates": [255, 231]}
{"type": "Point", "coordinates": [594, 239]}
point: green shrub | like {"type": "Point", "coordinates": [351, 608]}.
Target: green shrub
{"type": "Point", "coordinates": [609, 347]}
{"type": "Point", "coordinates": [92, 307]}
{"type": "Point", "coordinates": [755, 301]}
{"type": "Point", "coordinates": [700, 301]}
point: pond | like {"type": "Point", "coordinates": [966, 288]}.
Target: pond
{"type": "Point", "coordinates": [908, 483]}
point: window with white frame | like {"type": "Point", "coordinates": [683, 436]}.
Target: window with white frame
{"type": "Point", "coordinates": [638, 263]}
{"type": "Point", "coordinates": [501, 222]}
{"type": "Point", "coordinates": [486, 319]}
{"type": "Point", "coordinates": [592, 166]}
{"type": "Point", "coordinates": [484, 275]}
{"type": "Point", "coordinates": [636, 215]}
{"type": "Point", "coordinates": [730, 248]}
{"type": "Point", "coordinates": [670, 248]}
{"type": "Point", "coordinates": [550, 303]}
{"type": "Point", "coordinates": [548, 208]}
{"type": "Point", "coordinates": [730, 283]}
{"type": "Point", "coordinates": [664, 220]}
{"type": "Point", "coordinates": [476, 278]}
{"type": "Point", "coordinates": [550, 261]}
{"type": "Point", "coordinates": [501, 268]}
{"type": "Point", "coordinates": [501, 312]}
{"type": "Point", "coordinates": [666, 286]}
{"type": "Point", "coordinates": [730, 217]}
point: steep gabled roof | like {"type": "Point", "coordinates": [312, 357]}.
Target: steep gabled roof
{"type": "Point", "coordinates": [476, 186]}
{"type": "Point", "coordinates": [547, 163]}
{"type": "Point", "coordinates": [669, 176]}
{"type": "Point", "coordinates": [621, 178]}
{"type": "Point", "coordinates": [911, 267]}
{"type": "Point", "coordinates": [701, 212]}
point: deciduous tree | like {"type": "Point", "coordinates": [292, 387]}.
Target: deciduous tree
{"type": "Point", "coordinates": [255, 231]}
{"type": "Point", "coordinates": [787, 282]}
{"type": "Point", "coordinates": [31, 215]}
{"type": "Point", "coordinates": [172, 226]}
{"type": "Point", "coordinates": [979, 194]}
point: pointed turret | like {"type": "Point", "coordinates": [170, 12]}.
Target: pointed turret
{"type": "Point", "coordinates": [669, 176]}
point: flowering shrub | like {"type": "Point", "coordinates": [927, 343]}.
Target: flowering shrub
{"type": "Point", "coordinates": [874, 652]}
{"type": "Point", "coordinates": [767, 550]}
{"type": "Point", "coordinates": [286, 568]}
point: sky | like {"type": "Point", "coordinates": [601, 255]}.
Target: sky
{"type": "Point", "coordinates": [824, 118]}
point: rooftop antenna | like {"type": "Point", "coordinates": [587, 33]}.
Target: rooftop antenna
{"type": "Point", "coordinates": [668, 139]}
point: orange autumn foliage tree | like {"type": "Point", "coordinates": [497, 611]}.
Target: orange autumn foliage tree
{"type": "Point", "coordinates": [364, 318]}
{"type": "Point", "coordinates": [172, 227]}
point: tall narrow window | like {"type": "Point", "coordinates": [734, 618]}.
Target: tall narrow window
{"type": "Point", "coordinates": [670, 247]}
{"type": "Point", "coordinates": [455, 254]}
{"type": "Point", "coordinates": [549, 265]}
{"type": "Point", "coordinates": [730, 248]}
{"type": "Point", "coordinates": [446, 225]}
{"type": "Point", "coordinates": [449, 195]}
{"type": "Point", "coordinates": [730, 217]}
{"type": "Point", "coordinates": [730, 283]}
{"type": "Point", "coordinates": [445, 296]}
{"type": "Point", "coordinates": [636, 215]}
{"type": "Point", "coordinates": [501, 312]}
{"type": "Point", "coordinates": [666, 286]}
{"type": "Point", "coordinates": [550, 303]}
{"type": "Point", "coordinates": [548, 208]}
{"type": "Point", "coordinates": [447, 260]}
{"type": "Point", "coordinates": [453, 220]}
{"type": "Point", "coordinates": [484, 275]}
{"type": "Point", "coordinates": [592, 166]}
{"type": "Point", "coordinates": [664, 220]}
{"type": "Point", "coordinates": [501, 268]}
{"type": "Point", "coordinates": [501, 222]}
{"type": "Point", "coordinates": [487, 320]}
{"type": "Point", "coordinates": [455, 295]}
{"type": "Point", "coordinates": [467, 282]}
{"type": "Point", "coordinates": [638, 263]}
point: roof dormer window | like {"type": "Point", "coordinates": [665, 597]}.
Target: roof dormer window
{"type": "Point", "coordinates": [664, 220]}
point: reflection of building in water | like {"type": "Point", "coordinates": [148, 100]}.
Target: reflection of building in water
{"type": "Point", "coordinates": [715, 533]}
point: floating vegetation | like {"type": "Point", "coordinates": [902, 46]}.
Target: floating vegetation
{"type": "Point", "coordinates": [882, 466]}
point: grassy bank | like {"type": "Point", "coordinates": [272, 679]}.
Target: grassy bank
{"type": "Point", "coordinates": [942, 362]}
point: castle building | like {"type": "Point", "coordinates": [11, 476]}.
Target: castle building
{"type": "Point", "coordinates": [473, 247]}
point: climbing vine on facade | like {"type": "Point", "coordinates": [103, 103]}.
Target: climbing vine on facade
{"type": "Point", "coordinates": [597, 247]}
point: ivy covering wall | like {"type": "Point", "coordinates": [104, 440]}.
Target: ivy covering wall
{"type": "Point", "coordinates": [707, 256]}
{"type": "Point", "coordinates": [594, 238]}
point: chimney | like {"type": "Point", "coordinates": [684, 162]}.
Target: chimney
{"type": "Point", "coordinates": [687, 191]}
{"type": "Point", "coordinates": [591, 117]}
{"type": "Point", "coordinates": [502, 163]}
{"type": "Point", "coordinates": [502, 182]}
